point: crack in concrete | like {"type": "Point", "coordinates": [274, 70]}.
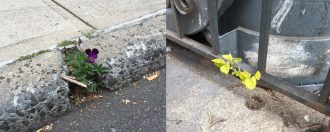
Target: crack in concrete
{"type": "Point", "coordinates": [75, 15]}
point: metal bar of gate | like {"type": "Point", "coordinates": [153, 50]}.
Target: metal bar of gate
{"type": "Point", "coordinates": [264, 34]}
{"type": "Point", "coordinates": [325, 92]}
{"type": "Point", "coordinates": [177, 19]}
{"type": "Point", "coordinates": [213, 23]}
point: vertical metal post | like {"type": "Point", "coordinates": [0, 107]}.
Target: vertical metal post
{"type": "Point", "coordinates": [177, 20]}
{"type": "Point", "coordinates": [325, 91]}
{"type": "Point", "coordinates": [213, 23]}
{"type": "Point", "coordinates": [266, 13]}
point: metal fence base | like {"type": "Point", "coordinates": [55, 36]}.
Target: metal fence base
{"type": "Point", "coordinates": [267, 80]}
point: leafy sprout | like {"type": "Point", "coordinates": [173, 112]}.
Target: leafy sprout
{"type": "Point", "coordinates": [84, 69]}
{"type": "Point", "coordinates": [229, 63]}
{"type": "Point", "coordinates": [67, 43]}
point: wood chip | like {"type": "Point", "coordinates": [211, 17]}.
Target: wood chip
{"type": "Point", "coordinates": [72, 80]}
{"type": "Point", "coordinates": [48, 128]}
{"type": "Point", "coordinates": [125, 101]}
{"type": "Point", "coordinates": [213, 120]}
{"type": "Point", "coordinates": [152, 76]}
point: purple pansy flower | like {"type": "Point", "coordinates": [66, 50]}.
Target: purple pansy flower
{"type": "Point", "coordinates": [92, 55]}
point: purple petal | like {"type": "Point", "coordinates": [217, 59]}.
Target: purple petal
{"type": "Point", "coordinates": [93, 56]}
{"type": "Point", "coordinates": [95, 51]}
{"type": "Point", "coordinates": [91, 61]}
{"type": "Point", "coordinates": [88, 51]}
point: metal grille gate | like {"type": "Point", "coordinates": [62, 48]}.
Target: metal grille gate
{"type": "Point", "coordinates": [319, 103]}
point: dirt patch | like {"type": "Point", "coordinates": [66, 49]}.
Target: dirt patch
{"type": "Point", "coordinates": [291, 111]}
{"type": "Point", "coordinates": [254, 103]}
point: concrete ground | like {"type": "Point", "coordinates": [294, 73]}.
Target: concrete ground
{"type": "Point", "coordinates": [136, 108]}
{"type": "Point", "coordinates": [201, 99]}
{"type": "Point", "coordinates": [28, 26]}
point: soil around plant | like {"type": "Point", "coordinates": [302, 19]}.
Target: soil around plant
{"type": "Point", "coordinates": [254, 103]}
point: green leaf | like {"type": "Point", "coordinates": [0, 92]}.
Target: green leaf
{"type": "Point", "coordinates": [237, 59]}
{"type": "Point", "coordinates": [228, 57]}
{"type": "Point", "coordinates": [82, 77]}
{"type": "Point", "coordinates": [219, 61]}
{"type": "Point", "coordinates": [225, 68]}
{"type": "Point", "coordinates": [250, 83]}
{"type": "Point", "coordinates": [235, 73]}
{"type": "Point", "coordinates": [84, 81]}
{"type": "Point", "coordinates": [258, 75]}
{"type": "Point", "coordinates": [244, 75]}
{"type": "Point", "coordinates": [90, 72]}
{"type": "Point", "coordinates": [91, 88]}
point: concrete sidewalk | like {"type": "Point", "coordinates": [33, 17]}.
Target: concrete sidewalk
{"type": "Point", "coordinates": [201, 99]}
{"type": "Point", "coordinates": [29, 26]}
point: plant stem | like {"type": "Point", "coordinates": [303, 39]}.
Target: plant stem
{"type": "Point", "coordinates": [239, 69]}
{"type": "Point", "coordinates": [249, 97]}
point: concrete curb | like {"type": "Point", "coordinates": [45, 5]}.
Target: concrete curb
{"type": "Point", "coordinates": [32, 93]}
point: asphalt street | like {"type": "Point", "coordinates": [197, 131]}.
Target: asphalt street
{"type": "Point", "coordinates": [138, 107]}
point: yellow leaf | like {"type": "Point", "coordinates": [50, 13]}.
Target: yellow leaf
{"type": "Point", "coordinates": [228, 57]}
{"type": "Point", "coordinates": [250, 83]}
{"type": "Point", "coordinates": [258, 75]}
{"type": "Point", "coordinates": [225, 68]}
{"type": "Point", "coordinates": [219, 62]}
{"type": "Point", "coordinates": [235, 73]}
{"type": "Point", "coordinates": [237, 59]}
{"type": "Point", "coordinates": [244, 75]}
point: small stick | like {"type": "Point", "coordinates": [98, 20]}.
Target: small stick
{"type": "Point", "coordinates": [217, 121]}
{"type": "Point", "coordinates": [72, 80]}
{"type": "Point", "coordinates": [71, 77]}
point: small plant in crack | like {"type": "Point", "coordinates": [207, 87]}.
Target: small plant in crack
{"type": "Point", "coordinates": [88, 34]}
{"type": "Point", "coordinates": [67, 43]}
{"type": "Point", "coordinates": [84, 69]}
{"type": "Point", "coordinates": [230, 65]}
{"type": "Point", "coordinates": [26, 57]}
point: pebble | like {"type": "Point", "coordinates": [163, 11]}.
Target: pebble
{"type": "Point", "coordinates": [306, 118]}
{"type": "Point", "coordinates": [168, 49]}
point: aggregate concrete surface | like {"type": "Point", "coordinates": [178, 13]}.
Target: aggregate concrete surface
{"type": "Point", "coordinates": [140, 107]}
{"type": "Point", "coordinates": [201, 99]}
{"type": "Point", "coordinates": [132, 51]}
{"type": "Point", "coordinates": [32, 92]}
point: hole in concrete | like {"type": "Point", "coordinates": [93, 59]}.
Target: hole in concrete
{"type": "Point", "coordinates": [254, 103]}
